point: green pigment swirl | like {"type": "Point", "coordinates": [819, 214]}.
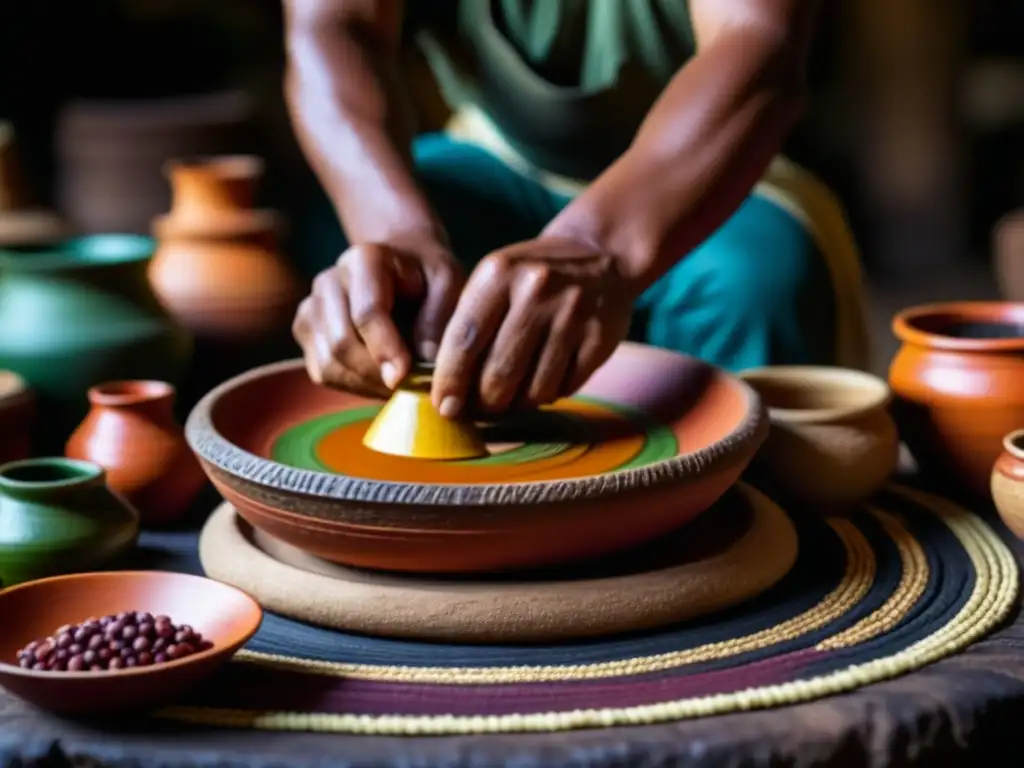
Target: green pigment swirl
{"type": "Point", "coordinates": [296, 447]}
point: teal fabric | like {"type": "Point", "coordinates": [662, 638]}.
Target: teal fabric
{"type": "Point", "coordinates": [757, 292]}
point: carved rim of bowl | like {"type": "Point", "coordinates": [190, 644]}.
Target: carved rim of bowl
{"type": "Point", "coordinates": [809, 394]}
{"type": "Point", "coordinates": [738, 446]}
{"type": "Point", "coordinates": [1013, 444]}
{"type": "Point", "coordinates": [911, 325]}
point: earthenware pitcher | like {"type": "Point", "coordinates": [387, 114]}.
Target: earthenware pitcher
{"type": "Point", "coordinates": [79, 314]}
{"type": "Point", "coordinates": [218, 268]}
{"type": "Point", "coordinates": [58, 516]}
{"type": "Point", "coordinates": [131, 432]}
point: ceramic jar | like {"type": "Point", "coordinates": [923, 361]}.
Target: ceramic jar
{"type": "Point", "coordinates": [131, 432]}
{"type": "Point", "coordinates": [958, 386]}
{"type": "Point", "coordinates": [80, 314]}
{"type": "Point", "coordinates": [1007, 482]}
{"type": "Point", "coordinates": [17, 412]}
{"type": "Point", "coordinates": [832, 443]}
{"type": "Point", "coordinates": [218, 268]}
{"type": "Point", "coordinates": [58, 516]}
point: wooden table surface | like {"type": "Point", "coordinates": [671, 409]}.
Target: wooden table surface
{"type": "Point", "coordinates": [965, 710]}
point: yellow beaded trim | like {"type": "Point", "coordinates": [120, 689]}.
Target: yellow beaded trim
{"type": "Point", "coordinates": [992, 598]}
{"type": "Point", "coordinates": [913, 581]}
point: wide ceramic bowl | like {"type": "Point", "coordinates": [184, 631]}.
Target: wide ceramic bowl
{"type": "Point", "coordinates": [833, 443]}
{"type": "Point", "coordinates": [652, 440]}
{"type": "Point", "coordinates": [226, 616]}
{"type": "Point", "coordinates": [958, 386]}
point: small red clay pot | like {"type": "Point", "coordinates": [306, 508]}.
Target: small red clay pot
{"type": "Point", "coordinates": [131, 432]}
{"type": "Point", "coordinates": [958, 386]}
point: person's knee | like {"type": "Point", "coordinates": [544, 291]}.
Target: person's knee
{"type": "Point", "coordinates": [758, 292]}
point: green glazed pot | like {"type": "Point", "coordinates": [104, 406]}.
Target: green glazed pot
{"type": "Point", "coordinates": [58, 516]}
{"type": "Point", "coordinates": [81, 313]}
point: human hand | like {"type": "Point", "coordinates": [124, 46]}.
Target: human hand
{"type": "Point", "coordinates": [347, 329]}
{"type": "Point", "coordinates": [533, 322]}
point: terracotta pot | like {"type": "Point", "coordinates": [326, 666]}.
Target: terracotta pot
{"type": "Point", "coordinates": [17, 412]}
{"type": "Point", "coordinates": [131, 432]}
{"type": "Point", "coordinates": [218, 269]}
{"type": "Point", "coordinates": [957, 385]}
{"type": "Point", "coordinates": [833, 443]}
{"type": "Point", "coordinates": [59, 516]}
{"type": "Point", "coordinates": [1007, 482]}
{"type": "Point", "coordinates": [110, 153]}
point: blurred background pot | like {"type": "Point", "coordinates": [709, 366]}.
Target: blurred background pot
{"type": "Point", "coordinates": [79, 314]}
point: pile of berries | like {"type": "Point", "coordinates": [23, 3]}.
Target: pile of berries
{"type": "Point", "coordinates": [121, 641]}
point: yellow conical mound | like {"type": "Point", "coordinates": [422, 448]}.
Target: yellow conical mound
{"type": "Point", "coordinates": [409, 425]}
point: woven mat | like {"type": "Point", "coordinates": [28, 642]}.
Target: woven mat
{"type": "Point", "coordinates": [733, 552]}
{"type": "Point", "coordinates": [897, 585]}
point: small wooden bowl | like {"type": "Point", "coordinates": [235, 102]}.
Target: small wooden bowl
{"type": "Point", "coordinates": [224, 615]}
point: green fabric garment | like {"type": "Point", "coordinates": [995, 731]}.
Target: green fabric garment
{"type": "Point", "coordinates": [567, 82]}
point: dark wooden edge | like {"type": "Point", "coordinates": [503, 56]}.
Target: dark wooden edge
{"type": "Point", "coordinates": [214, 449]}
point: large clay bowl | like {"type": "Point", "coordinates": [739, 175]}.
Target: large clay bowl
{"type": "Point", "coordinates": [958, 386]}
{"type": "Point", "coordinates": [225, 615]}
{"type": "Point", "coordinates": [406, 514]}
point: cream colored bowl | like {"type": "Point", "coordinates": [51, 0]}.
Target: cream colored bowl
{"type": "Point", "coordinates": [832, 443]}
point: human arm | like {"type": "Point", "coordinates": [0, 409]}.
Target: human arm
{"type": "Point", "coordinates": [351, 116]}
{"type": "Point", "coordinates": [700, 150]}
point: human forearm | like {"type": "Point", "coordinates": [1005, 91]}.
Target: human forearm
{"type": "Point", "coordinates": [700, 150]}
{"type": "Point", "coordinates": [349, 111]}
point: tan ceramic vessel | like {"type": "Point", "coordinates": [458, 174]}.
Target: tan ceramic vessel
{"type": "Point", "coordinates": [832, 442]}
{"type": "Point", "coordinates": [1007, 482]}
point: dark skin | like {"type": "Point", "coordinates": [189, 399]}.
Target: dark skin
{"type": "Point", "coordinates": [535, 319]}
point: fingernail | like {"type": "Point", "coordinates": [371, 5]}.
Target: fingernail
{"type": "Point", "coordinates": [389, 373]}
{"type": "Point", "coordinates": [428, 351]}
{"type": "Point", "coordinates": [450, 407]}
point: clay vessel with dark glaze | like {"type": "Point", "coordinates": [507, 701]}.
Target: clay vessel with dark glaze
{"type": "Point", "coordinates": [131, 432]}
{"type": "Point", "coordinates": [110, 152]}
{"type": "Point", "coordinates": [224, 615]}
{"type": "Point", "coordinates": [57, 516]}
{"type": "Point", "coordinates": [17, 412]}
{"type": "Point", "coordinates": [22, 222]}
{"type": "Point", "coordinates": [1007, 482]}
{"type": "Point", "coordinates": [218, 268]}
{"type": "Point", "coordinates": [958, 386]}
